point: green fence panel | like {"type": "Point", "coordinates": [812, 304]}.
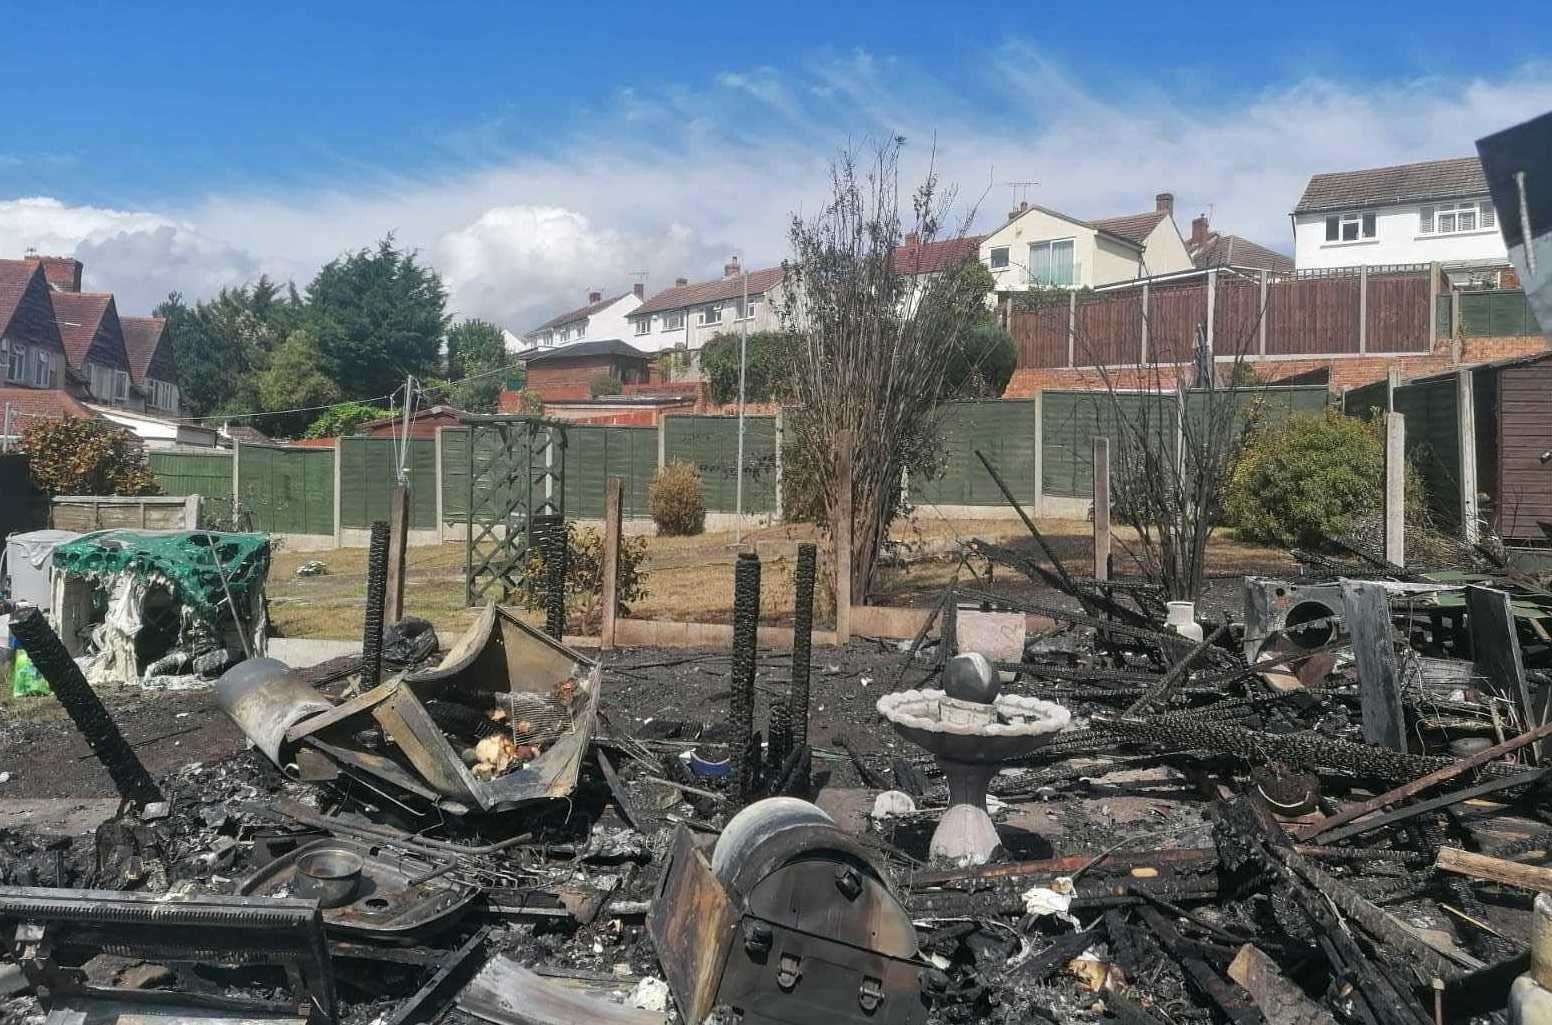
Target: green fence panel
{"type": "Point", "coordinates": [1361, 401]}
{"type": "Point", "coordinates": [1005, 432]}
{"type": "Point", "coordinates": [207, 474]}
{"type": "Point", "coordinates": [1433, 445]}
{"type": "Point", "coordinates": [368, 472]}
{"type": "Point", "coordinates": [286, 490]}
{"type": "Point", "coordinates": [1496, 314]}
{"type": "Point", "coordinates": [1071, 421]}
{"type": "Point", "coordinates": [455, 474]}
{"type": "Point", "coordinates": [710, 444]}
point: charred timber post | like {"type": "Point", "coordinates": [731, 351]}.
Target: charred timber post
{"type": "Point", "coordinates": [802, 641]}
{"type": "Point", "coordinates": [842, 535]}
{"type": "Point", "coordinates": [746, 622]}
{"type": "Point", "coordinates": [85, 709]}
{"type": "Point", "coordinates": [550, 535]}
{"type": "Point", "coordinates": [398, 553]}
{"type": "Point", "coordinates": [1101, 508]}
{"type": "Point", "coordinates": [376, 599]}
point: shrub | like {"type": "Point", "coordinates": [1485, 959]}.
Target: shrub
{"type": "Point", "coordinates": [585, 576]}
{"type": "Point", "coordinates": [983, 364]}
{"type": "Point", "coordinates": [766, 373]}
{"type": "Point", "coordinates": [676, 500]}
{"type": "Point", "coordinates": [605, 384]}
{"type": "Point", "coordinates": [1306, 478]}
{"type": "Point", "coordinates": [86, 457]}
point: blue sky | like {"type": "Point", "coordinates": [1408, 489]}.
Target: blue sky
{"type": "Point", "coordinates": [534, 151]}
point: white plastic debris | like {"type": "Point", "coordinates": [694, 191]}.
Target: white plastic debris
{"type": "Point", "coordinates": [650, 994]}
{"type": "Point", "coordinates": [865, 681]}
{"type": "Point", "coordinates": [5, 777]}
{"type": "Point", "coordinates": [1054, 900]}
{"type": "Point", "coordinates": [892, 803]}
{"type": "Point", "coordinates": [312, 568]}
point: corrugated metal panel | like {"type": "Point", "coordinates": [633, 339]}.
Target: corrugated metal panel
{"type": "Point", "coordinates": [368, 470]}
{"type": "Point", "coordinates": [1524, 432]}
{"type": "Point", "coordinates": [1005, 432]}
{"type": "Point", "coordinates": [710, 444]}
{"type": "Point", "coordinates": [287, 490]}
{"type": "Point", "coordinates": [1433, 445]}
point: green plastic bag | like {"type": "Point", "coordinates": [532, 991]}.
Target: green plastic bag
{"type": "Point", "coordinates": [26, 681]}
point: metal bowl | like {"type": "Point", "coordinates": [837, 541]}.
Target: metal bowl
{"type": "Point", "coordinates": [329, 877]}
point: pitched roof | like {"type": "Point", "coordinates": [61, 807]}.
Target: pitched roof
{"type": "Point", "coordinates": [26, 312]}
{"type": "Point", "coordinates": [1403, 183]}
{"type": "Point", "coordinates": [80, 315]}
{"type": "Point", "coordinates": [1135, 228]}
{"type": "Point", "coordinates": [597, 347]}
{"type": "Point", "coordinates": [1233, 251]}
{"type": "Point", "coordinates": [579, 313]}
{"type": "Point", "coordinates": [244, 433]}
{"type": "Point", "coordinates": [1070, 219]}
{"type": "Point", "coordinates": [42, 403]}
{"type": "Point", "coordinates": [932, 257]}
{"type": "Point", "coordinates": [720, 290]}
{"type": "Point", "coordinates": [63, 272]}
{"type": "Point", "coordinates": [142, 336]}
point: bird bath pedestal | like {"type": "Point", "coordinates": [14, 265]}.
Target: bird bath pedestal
{"type": "Point", "coordinates": [971, 740]}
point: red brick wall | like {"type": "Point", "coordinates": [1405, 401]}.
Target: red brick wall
{"type": "Point", "coordinates": [1346, 372]}
{"type": "Point", "coordinates": [555, 380]}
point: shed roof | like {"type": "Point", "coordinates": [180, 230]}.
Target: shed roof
{"type": "Point", "coordinates": [597, 347]}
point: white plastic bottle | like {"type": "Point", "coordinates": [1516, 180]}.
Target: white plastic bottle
{"type": "Point", "coordinates": [1182, 619]}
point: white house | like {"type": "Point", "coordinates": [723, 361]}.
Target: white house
{"type": "Point", "coordinates": [1041, 247]}
{"type": "Point", "coordinates": [601, 318]}
{"type": "Point", "coordinates": [687, 316]}
{"type": "Point", "coordinates": [1436, 211]}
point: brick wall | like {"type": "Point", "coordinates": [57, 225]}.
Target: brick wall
{"type": "Point", "coordinates": [1346, 372]}
{"type": "Point", "coordinates": [555, 380]}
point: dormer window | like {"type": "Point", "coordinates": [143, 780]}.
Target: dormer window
{"type": "Point", "coordinates": [1353, 227]}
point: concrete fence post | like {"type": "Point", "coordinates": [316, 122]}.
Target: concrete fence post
{"type": "Point", "coordinates": [1363, 308]}
{"type": "Point", "coordinates": [1261, 319]}
{"type": "Point", "coordinates": [780, 438]}
{"type": "Point", "coordinates": [437, 449]}
{"type": "Point", "coordinates": [236, 484]}
{"type": "Point", "coordinates": [1101, 508]}
{"type": "Point", "coordinates": [1433, 305]}
{"type": "Point", "coordinates": [1212, 308]}
{"type": "Point", "coordinates": [1395, 489]}
{"type": "Point", "coordinates": [613, 488]}
{"type": "Point", "coordinates": [1466, 428]}
{"type": "Point", "coordinates": [662, 441]}
{"type": "Point", "coordinates": [1142, 355]}
{"type": "Point", "coordinates": [1072, 327]}
{"type": "Point", "coordinates": [1039, 453]}
{"type": "Point", "coordinates": [339, 494]}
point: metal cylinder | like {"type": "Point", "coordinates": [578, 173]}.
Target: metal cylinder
{"type": "Point", "coordinates": [376, 599]}
{"type": "Point", "coordinates": [84, 707]}
{"type": "Point", "coordinates": [746, 624]}
{"type": "Point", "coordinates": [802, 641]}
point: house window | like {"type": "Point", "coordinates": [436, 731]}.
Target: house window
{"type": "Point", "coordinates": [1350, 227]}
{"type": "Point", "coordinates": [673, 321]}
{"type": "Point", "coordinates": [42, 370]}
{"type": "Point", "coordinates": [749, 309]}
{"type": "Point", "coordinates": [711, 315]}
{"type": "Point", "coordinates": [16, 364]}
{"type": "Point", "coordinates": [164, 395]}
{"type": "Point", "coordinates": [1454, 218]}
{"type": "Point", "coordinates": [120, 386]}
{"type": "Point", "coordinates": [1050, 264]}
{"type": "Point", "coordinates": [643, 325]}
{"type": "Point", "coordinates": [999, 257]}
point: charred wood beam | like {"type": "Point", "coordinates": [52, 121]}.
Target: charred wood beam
{"type": "Point", "coordinates": [1454, 797]}
{"type": "Point", "coordinates": [1231, 1001]}
{"type": "Point", "coordinates": [1160, 691]}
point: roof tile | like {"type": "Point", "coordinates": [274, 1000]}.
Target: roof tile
{"type": "Point", "coordinates": [720, 290]}
{"type": "Point", "coordinates": [42, 403]}
{"type": "Point", "coordinates": [1403, 183]}
{"type": "Point", "coordinates": [1134, 228]}
{"type": "Point", "coordinates": [80, 316]}
{"type": "Point", "coordinates": [26, 312]}
{"type": "Point", "coordinates": [579, 313]}
{"type": "Point", "coordinates": [932, 257]}
{"type": "Point", "coordinates": [1235, 251]}
{"type": "Point", "coordinates": [142, 341]}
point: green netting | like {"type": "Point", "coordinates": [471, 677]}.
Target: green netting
{"type": "Point", "coordinates": [186, 560]}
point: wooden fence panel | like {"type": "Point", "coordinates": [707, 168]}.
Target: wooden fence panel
{"type": "Point", "coordinates": [1174, 314]}
{"type": "Point", "coordinates": [1314, 316]}
{"type": "Point", "coordinates": [1397, 313]}
{"type": "Point", "coordinates": [1109, 330]}
{"type": "Point", "coordinates": [1041, 336]}
{"type": "Point", "coordinates": [1236, 317]}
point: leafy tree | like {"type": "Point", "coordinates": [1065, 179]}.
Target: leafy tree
{"type": "Point", "coordinates": [983, 364]}
{"type": "Point", "coordinates": [378, 315]}
{"type": "Point", "coordinates": [476, 352]}
{"type": "Point", "coordinates": [293, 380]}
{"type": "Point", "coordinates": [86, 457]}
{"type": "Point", "coordinates": [767, 373]}
{"type": "Point", "coordinates": [222, 343]}
{"type": "Point", "coordinates": [338, 421]}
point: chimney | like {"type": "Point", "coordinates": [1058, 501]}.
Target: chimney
{"type": "Point", "coordinates": [731, 268]}
{"type": "Point", "coordinates": [681, 282]}
{"type": "Point", "coordinates": [1164, 203]}
{"type": "Point", "coordinates": [639, 289]}
{"type": "Point", "coordinates": [1017, 211]}
{"type": "Point", "coordinates": [1199, 230]}
{"type": "Point", "coordinates": [593, 297]}
{"type": "Point", "coordinates": [63, 273]}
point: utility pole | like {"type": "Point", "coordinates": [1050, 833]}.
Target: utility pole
{"type": "Point", "coordinates": [743, 359]}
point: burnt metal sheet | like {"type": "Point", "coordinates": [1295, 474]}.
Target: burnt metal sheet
{"type": "Point", "coordinates": [265, 698]}
{"type": "Point", "coordinates": [386, 904]}
{"type": "Point", "coordinates": [507, 993]}
{"type": "Point", "coordinates": [691, 925]}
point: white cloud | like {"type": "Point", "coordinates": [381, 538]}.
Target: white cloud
{"type": "Point", "coordinates": [673, 180]}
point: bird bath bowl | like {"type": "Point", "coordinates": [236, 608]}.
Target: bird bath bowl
{"type": "Point", "coordinates": [971, 741]}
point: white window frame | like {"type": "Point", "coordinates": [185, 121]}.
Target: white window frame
{"type": "Point", "coordinates": [750, 308]}
{"type": "Point", "coordinates": [673, 321]}
{"type": "Point", "coordinates": [120, 386]}
{"type": "Point", "coordinates": [711, 315]}
{"type": "Point", "coordinates": [16, 363]}
{"type": "Point", "coordinates": [1050, 245]}
{"type": "Point", "coordinates": [1432, 217]}
{"type": "Point", "coordinates": [643, 325]}
{"type": "Point", "coordinates": [42, 370]}
{"type": "Point", "coordinates": [1364, 225]}
{"type": "Point", "coordinates": [993, 258]}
